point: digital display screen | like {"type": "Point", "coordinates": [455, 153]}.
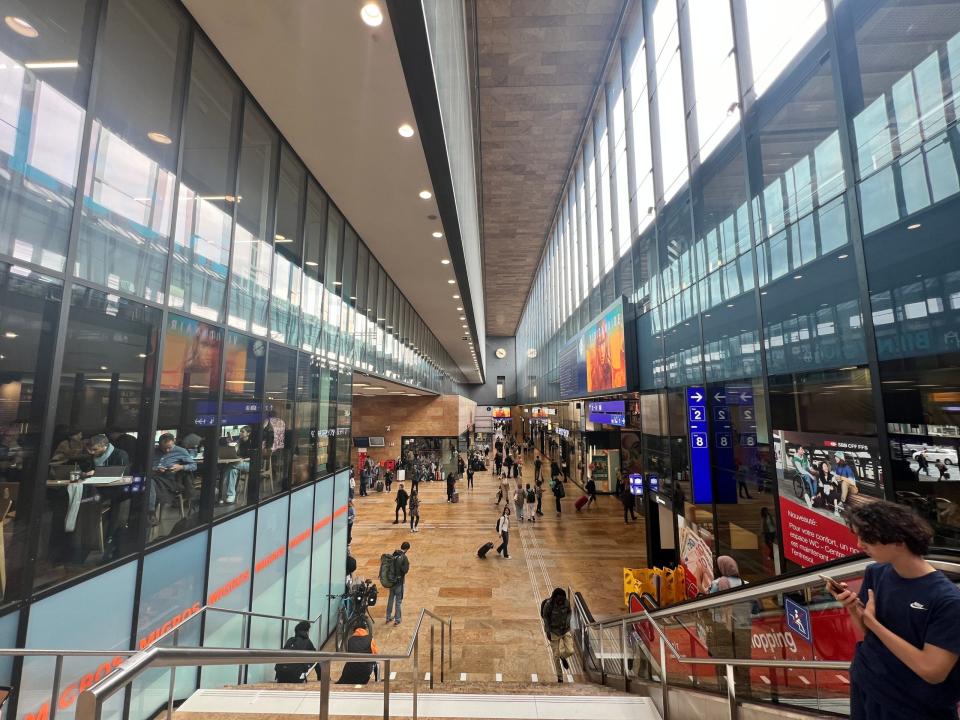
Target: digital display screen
{"type": "Point", "coordinates": [610, 412]}
{"type": "Point", "coordinates": [595, 361]}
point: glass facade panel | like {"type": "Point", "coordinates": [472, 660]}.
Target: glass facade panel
{"type": "Point", "coordinates": [206, 196]}
{"type": "Point", "coordinates": [129, 181]}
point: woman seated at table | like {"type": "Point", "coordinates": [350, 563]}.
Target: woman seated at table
{"type": "Point", "coordinates": [71, 448]}
{"type": "Point", "coordinates": [232, 473]}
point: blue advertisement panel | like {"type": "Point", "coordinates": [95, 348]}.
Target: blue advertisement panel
{"type": "Point", "coordinates": [171, 596]}
{"type": "Point", "coordinates": [320, 560]}
{"type": "Point", "coordinates": [595, 361]}
{"type": "Point", "coordinates": [699, 444]}
{"type": "Point", "coordinates": [269, 570]}
{"type": "Point", "coordinates": [95, 614]}
{"type": "Point", "coordinates": [228, 585]}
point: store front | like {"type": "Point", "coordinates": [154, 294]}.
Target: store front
{"type": "Point", "coordinates": [440, 452]}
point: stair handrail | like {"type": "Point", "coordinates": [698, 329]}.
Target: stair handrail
{"type": "Point", "coordinates": [91, 701]}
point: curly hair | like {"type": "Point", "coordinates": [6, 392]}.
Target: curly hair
{"type": "Point", "coordinates": [887, 523]}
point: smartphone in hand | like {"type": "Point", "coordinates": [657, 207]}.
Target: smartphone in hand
{"type": "Point", "coordinates": [833, 585]}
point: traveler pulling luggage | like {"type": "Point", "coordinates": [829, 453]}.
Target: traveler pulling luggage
{"type": "Point", "coordinates": [484, 549]}
{"type": "Point", "coordinates": [581, 501]}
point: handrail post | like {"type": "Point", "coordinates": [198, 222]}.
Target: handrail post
{"type": "Point", "coordinates": [664, 687]}
{"type": "Point", "coordinates": [603, 667]}
{"type": "Point", "coordinates": [623, 643]}
{"type": "Point", "coordinates": [54, 698]}
{"type": "Point", "coordinates": [431, 656]}
{"type": "Point", "coordinates": [386, 690]}
{"type": "Point", "coordinates": [443, 641]}
{"type": "Point", "coordinates": [324, 668]}
{"type": "Point", "coordinates": [416, 671]}
{"type": "Point", "coordinates": [731, 694]}
{"type": "Point", "coordinates": [173, 678]}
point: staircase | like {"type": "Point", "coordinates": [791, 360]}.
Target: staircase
{"type": "Point", "coordinates": [465, 695]}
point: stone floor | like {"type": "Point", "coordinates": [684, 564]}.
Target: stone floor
{"type": "Point", "coordinates": [495, 602]}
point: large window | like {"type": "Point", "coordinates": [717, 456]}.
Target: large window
{"type": "Point", "coordinates": [201, 240]}
{"type": "Point", "coordinates": [41, 124]}
{"type": "Point", "coordinates": [252, 249]}
{"type": "Point", "coordinates": [102, 434]}
{"type": "Point", "coordinates": [288, 251]}
{"type": "Point", "coordinates": [129, 185]}
{"type": "Point", "coordinates": [668, 98]}
{"type": "Point", "coordinates": [184, 464]}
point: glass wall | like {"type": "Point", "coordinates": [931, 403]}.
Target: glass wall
{"type": "Point", "coordinates": [793, 176]}
{"type": "Point", "coordinates": [182, 308]}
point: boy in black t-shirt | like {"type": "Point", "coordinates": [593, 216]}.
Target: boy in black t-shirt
{"type": "Point", "coordinates": [906, 667]}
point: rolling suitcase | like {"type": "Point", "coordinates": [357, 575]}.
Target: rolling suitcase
{"type": "Point", "coordinates": [484, 549]}
{"type": "Point", "coordinates": [379, 485]}
{"type": "Point", "coordinates": [455, 497]}
{"type": "Point", "coordinates": [580, 503]}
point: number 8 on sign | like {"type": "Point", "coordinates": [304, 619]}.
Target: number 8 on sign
{"type": "Point", "coordinates": [698, 439]}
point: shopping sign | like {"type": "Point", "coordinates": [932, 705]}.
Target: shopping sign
{"type": "Point", "coordinates": [699, 444]}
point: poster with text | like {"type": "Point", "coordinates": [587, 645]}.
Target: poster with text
{"type": "Point", "coordinates": [820, 477]}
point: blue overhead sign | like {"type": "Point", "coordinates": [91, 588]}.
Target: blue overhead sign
{"type": "Point", "coordinates": [699, 444]}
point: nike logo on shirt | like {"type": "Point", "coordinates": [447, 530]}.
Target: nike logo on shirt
{"type": "Point", "coordinates": [917, 606]}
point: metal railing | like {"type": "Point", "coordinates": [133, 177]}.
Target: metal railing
{"type": "Point", "coordinates": [90, 703]}
{"type": "Point", "coordinates": [743, 594]}
{"type": "Point", "coordinates": [173, 633]}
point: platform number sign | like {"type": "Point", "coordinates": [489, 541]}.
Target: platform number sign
{"type": "Point", "coordinates": [699, 444]}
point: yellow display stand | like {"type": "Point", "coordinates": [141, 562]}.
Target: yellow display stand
{"type": "Point", "coordinates": [666, 585]}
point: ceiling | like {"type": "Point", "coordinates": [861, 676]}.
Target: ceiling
{"type": "Point", "coordinates": [539, 62]}
{"type": "Point", "coordinates": [335, 89]}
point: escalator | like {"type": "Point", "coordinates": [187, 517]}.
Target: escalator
{"type": "Point", "coordinates": [756, 651]}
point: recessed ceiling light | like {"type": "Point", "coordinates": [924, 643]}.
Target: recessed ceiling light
{"type": "Point", "coordinates": [21, 26]}
{"type": "Point", "coordinates": [426, 194]}
{"type": "Point", "coordinates": [456, 297]}
{"type": "Point", "coordinates": [371, 14]}
{"type": "Point", "coordinates": [352, 297]}
{"type": "Point", "coordinates": [437, 234]}
{"type": "Point", "coordinates": [103, 367]}
{"type": "Point", "coordinates": [463, 317]}
{"type": "Point", "coordinates": [451, 282]}
{"type": "Point", "coordinates": [463, 326]}
{"type": "Point", "coordinates": [915, 226]}
{"type": "Point", "coordinates": [337, 283]}
{"type": "Point", "coordinates": [797, 277]}
{"type": "Point", "coordinates": [10, 335]}
{"type": "Point", "coordinates": [52, 65]}
{"type": "Point", "coordinates": [159, 137]}
{"type": "Point", "coordinates": [311, 263]}
{"type": "Point", "coordinates": [444, 262]}
{"type": "Point", "coordinates": [142, 355]}
{"type": "Point", "coordinates": [842, 257]}
{"type": "Point", "coordinates": [405, 130]}
{"type": "Point", "coordinates": [459, 308]}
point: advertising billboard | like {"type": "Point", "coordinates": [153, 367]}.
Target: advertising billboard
{"type": "Point", "coordinates": [596, 361]}
{"type": "Point", "coordinates": [611, 412]}
{"type": "Point", "coordinates": [500, 413]}
{"type": "Point", "coordinates": [820, 477]}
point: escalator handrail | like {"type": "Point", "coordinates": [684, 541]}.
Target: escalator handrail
{"type": "Point", "coordinates": [747, 593]}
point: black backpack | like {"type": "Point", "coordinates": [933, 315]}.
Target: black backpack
{"type": "Point", "coordinates": [531, 496]}
{"type": "Point", "coordinates": [289, 669]}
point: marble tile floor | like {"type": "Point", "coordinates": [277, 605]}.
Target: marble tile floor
{"type": "Point", "coordinates": [495, 602]}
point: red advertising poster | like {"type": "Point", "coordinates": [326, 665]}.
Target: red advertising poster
{"type": "Point", "coordinates": [820, 477]}
{"type": "Point", "coordinates": [501, 412]}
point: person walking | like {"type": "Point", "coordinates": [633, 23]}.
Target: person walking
{"type": "Point", "coordinates": [503, 529]}
{"type": "Point", "coordinates": [505, 491]}
{"type": "Point", "coordinates": [538, 489]}
{"type": "Point", "coordinates": [461, 465]}
{"type": "Point", "coordinates": [470, 472]}
{"type": "Point", "coordinates": [351, 518]}
{"type": "Point", "coordinates": [401, 566]}
{"type": "Point", "coordinates": [531, 498]}
{"type": "Point", "coordinates": [908, 611]}
{"type": "Point", "coordinates": [537, 467]}
{"type": "Point", "coordinates": [629, 502]}
{"type": "Point", "coordinates": [591, 488]}
{"type": "Point", "coordinates": [519, 497]}
{"type": "Point", "coordinates": [555, 612]}
{"type": "Point", "coordinates": [498, 463]}
{"type": "Point", "coordinates": [558, 492]}
{"type": "Point", "coordinates": [508, 465]}
{"type": "Point", "coordinates": [415, 511]}
{"type": "Point", "coordinates": [365, 476]}
{"type": "Point", "coordinates": [402, 498]}
{"type": "Point", "coordinates": [353, 485]}
{"type": "Point", "coordinates": [451, 486]}
{"type": "Point", "coordinates": [388, 480]}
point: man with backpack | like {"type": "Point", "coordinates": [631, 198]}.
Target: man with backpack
{"type": "Point", "coordinates": [558, 491]}
{"type": "Point", "coordinates": [555, 612]}
{"type": "Point", "coordinates": [537, 468]}
{"type": "Point", "coordinates": [296, 672]}
{"type": "Point", "coordinates": [393, 570]}
{"type": "Point", "coordinates": [402, 498]}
